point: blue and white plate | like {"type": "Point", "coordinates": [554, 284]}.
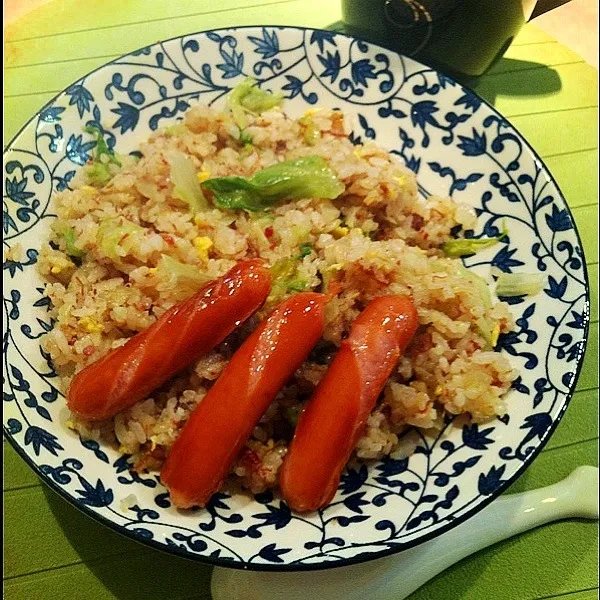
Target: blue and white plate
{"type": "Point", "coordinates": [453, 141]}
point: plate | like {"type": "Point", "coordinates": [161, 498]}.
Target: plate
{"type": "Point", "coordinates": [455, 143]}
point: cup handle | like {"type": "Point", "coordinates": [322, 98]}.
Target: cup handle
{"type": "Point", "coordinates": [399, 575]}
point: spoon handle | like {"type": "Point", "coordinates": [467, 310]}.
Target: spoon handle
{"type": "Point", "coordinates": [399, 575]}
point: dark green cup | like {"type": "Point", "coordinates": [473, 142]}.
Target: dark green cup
{"type": "Point", "coordinates": [461, 37]}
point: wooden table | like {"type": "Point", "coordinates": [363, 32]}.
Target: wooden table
{"type": "Point", "coordinates": [547, 91]}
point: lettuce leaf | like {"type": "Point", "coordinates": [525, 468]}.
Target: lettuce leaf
{"type": "Point", "coordinates": [185, 279]}
{"type": "Point", "coordinates": [285, 279]}
{"type": "Point", "coordinates": [466, 247]}
{"type": "Point", "coordinates": [175, 129]}
{"type": "Point", "coordinates": [245, 138]}
{"type": "Point", "coordinates": [185, 182]}
{"type": "Point", "coordinates": [305, 250]}
{"type": "Point", "coordinates": [311, 133]}
{"type": "Point", "coordinates": [485, 325]}
{"type": "Point", "coordinates": [246, 97]}
{"type": "Point", "coordinates": [98, 172]}
{"type": "Point", "coordinates": [68, 235]}
{"type": "Point", "coordinates": [117, 233]}
{"type": "Point", "coordinates": [308, 177]}
{"type": "Point", "coordinates": [519, 284]}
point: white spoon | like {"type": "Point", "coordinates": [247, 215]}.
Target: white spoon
{"type": "Point", "coordinates": [399, 575]}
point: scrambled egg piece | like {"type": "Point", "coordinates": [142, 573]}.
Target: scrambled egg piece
{"type": "Point", "coordinates": [202, 245]}
{"type": "Point", "coordinates": [334, 267]}
{"type": "Point", "coordinates": [340, 232]}
{"type": "Point", "coordinates": [311, 111]}
{"type": "Point", "coordinates": [91, 325]}
{"type": "Point", "coordinates": [495, 335]}
{"type": "Point", "coordinates": [203, 176]}
{"type": "Point", "coordinates": [59, 264]}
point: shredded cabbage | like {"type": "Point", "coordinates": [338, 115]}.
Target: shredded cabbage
{"type": "Point", "coordinates": [308, 177]}
{"type": "Point", "coordinates": [519, 284]}
{"type": "Point", "coordinates": [185, 182]}
{"type": "Point", "coordinates": [246, 97]}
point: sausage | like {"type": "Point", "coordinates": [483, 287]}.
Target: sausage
{"type": "Point", "coordinates": [218, 428]}
{"type": "Point", "coordinates": [181, 335]}
{"type": "Point", "coordinates": [334, 418]}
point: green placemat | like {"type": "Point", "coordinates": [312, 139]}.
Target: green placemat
{"type": "Point", "coordinates": [550, 94]}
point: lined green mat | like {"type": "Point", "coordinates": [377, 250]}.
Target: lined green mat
{"type": "Point", "coordinates": [54, 552]}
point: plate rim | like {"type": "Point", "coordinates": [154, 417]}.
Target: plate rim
{"type": "Point", "coordinates": [365, 557]}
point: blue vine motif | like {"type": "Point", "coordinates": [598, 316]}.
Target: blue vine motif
{"type": "Point", "coordinates": [81, 97]}
{"type": "Point", "coordinates": [90, 494]}
{"type": "Point", "coordinates": [458, 184]}
{"type": "Point", "coordinates": [267, 45]}
{"type": "Point", "coordinates": [456, 144]}
{"type": "Point", "coordinates": [508, 341]}
{"type": "Point", "coordinates": [121, 465]}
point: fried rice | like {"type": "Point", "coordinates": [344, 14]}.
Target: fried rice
{"type": "Point", "coordinates": [379, 237]}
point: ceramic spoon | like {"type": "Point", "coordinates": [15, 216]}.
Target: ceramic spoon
{"type": "Point", "coordinates": [399, 575]}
